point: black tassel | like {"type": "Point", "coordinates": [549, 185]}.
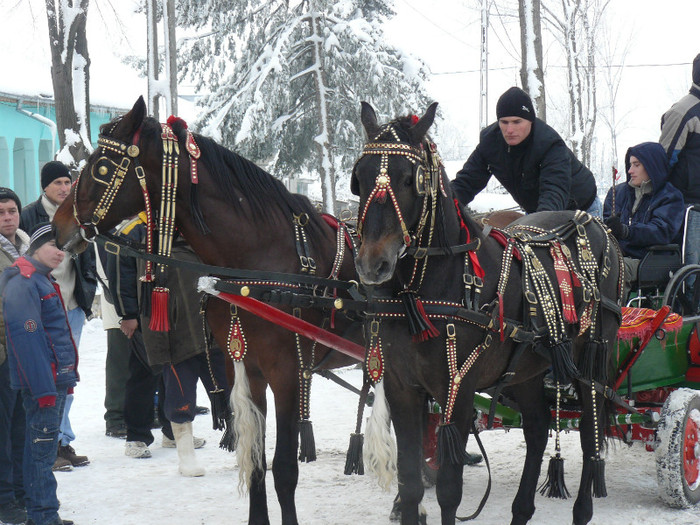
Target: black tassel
{"type": "Point", "coordinates": [307, 445]}
{"type": "Point", "coordinates": [219, 409]}
{"type": "Point", "coordinates": [602, 356]}
{"type": "Point", "coordinates": [353, 459]}
{"type": "Point", "coordinates": [145, 299]}
{"type": "Point", "coordinates": [587, 361]}
{"type": "Point", "coordinates": [554, 486]}
{"type": "Point", "coordinates": [228, 439]}
{"type": "Point", "coordinates": [419, 325]}
{"type": "Point", "coordinates": [599, 490]}
{"type": "Point", "coordinates": [563, 365]}
{"type": "Point", "coordinates": [197, 211]}
{"type": "Point", "coordinates": [450, 449]}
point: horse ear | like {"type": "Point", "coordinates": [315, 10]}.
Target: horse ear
{"type": "Point", "coordinates": [369, 120]}
{"type": "Point", "coordinates": [132, 120]}
{"type": "Point", "coordinates": [420, 129]}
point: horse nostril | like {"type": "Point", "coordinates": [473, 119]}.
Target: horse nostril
{"type": "Point", "coordinates": [382, 268]}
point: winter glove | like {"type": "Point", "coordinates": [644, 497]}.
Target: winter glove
{"type": "Point", "coordinates": [619, 230]}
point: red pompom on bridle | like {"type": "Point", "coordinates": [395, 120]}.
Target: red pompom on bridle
{"type": "Point", "coordinates": [414, 120]}
{"type": "Point", "coordinates": [172, 120]}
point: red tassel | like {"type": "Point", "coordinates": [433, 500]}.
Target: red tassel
{"type": "Point", "coordinates": [414, 120]}
{"type": "Point", "coordinates": [430, 331]}
{"type": "Point", "coordinates": [172, 119]}
{"type": "Point", "coordinates": [159, 310]}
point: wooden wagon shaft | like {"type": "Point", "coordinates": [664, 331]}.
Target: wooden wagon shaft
{"type": "Point", "coordinates": [288, 321]}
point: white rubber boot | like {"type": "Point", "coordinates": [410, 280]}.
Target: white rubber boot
{"type": "Point", "coordinates": [184, 440]}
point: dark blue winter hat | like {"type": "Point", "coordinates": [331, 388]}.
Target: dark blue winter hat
{"type": "Point", "coordinates": [41, 234]}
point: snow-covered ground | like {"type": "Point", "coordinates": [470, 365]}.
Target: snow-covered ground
{"type": "Point", "coordinates": [115, 489]}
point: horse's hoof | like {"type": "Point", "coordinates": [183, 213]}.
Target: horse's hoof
{"type": "Point", "coordinates": [191, 471]}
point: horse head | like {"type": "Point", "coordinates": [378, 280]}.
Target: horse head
{"type": "Point", "coordinates": [115, 167]}
{"type": "Point", "coordinates": [392, 177]}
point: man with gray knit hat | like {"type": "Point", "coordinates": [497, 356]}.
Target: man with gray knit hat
{"type": "Point", "coordinates": [530, 160]}
{"type": "Point", "coordinates": [77, 277]}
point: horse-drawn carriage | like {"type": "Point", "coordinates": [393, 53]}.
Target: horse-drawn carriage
{"type": "Point", "coordinates": [442, 330]}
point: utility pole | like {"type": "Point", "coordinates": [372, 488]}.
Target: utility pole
{"type": "Point", "coordinates": [484, 66]}
{"type": "Point", "coordinates": [165, 90]}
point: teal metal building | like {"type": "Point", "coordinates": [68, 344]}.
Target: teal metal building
{"type": "Point", "coordinates": [28, 139]}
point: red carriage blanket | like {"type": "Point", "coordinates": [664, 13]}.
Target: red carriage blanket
{"type": "Point", "coordinates": [637, 322]}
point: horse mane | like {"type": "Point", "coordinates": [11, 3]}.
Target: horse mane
{"type": "Point", "coordinates": [233, 173]}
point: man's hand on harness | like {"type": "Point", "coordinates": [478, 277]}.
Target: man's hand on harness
{"type": "Point", "coordinates": [619, 230]}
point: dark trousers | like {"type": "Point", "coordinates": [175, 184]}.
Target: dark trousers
{"type": "Point", "coordinates": [41, 442]}
{"type": "Point", "coordinates": [141, 387]}
{"type": "Point", "coordinates": [12, 427]}
{"type": "Point", "coordinates": [181, 383]}
{"type": "Point", "coordinates": [116, 377]}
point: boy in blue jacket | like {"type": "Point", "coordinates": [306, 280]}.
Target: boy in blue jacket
{"type": "Point", "coordinates": [648, 209]}
{"type": "Point", "coordinates": [43, 360]}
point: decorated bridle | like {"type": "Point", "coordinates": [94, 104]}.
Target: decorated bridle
{"type": "Point", "coordinates": [110, 174]}
{"type": "Point", "coordinates": [427, 179]}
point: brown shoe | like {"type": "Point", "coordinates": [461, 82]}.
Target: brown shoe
{"type": "Point", "coordinates": [62, 465]}
{"type": "Point", "coordinates": [68, 453]}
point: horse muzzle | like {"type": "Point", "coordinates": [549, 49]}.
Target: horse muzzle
{"type": "Point", "coordinates": [376, 263]}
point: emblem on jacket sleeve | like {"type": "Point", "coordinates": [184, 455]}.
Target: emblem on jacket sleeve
{"type": "Point", "coordinates": [30, 325]}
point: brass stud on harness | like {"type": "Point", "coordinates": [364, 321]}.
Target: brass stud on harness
{"type": "Point", "coordinates": [338, 303]}
{"type": "Point", "coordinates": [245, 291]}
{"type": "Point", "coordinates": [133, 151]}
{"type": "Point", "coordinates": [103, 170]}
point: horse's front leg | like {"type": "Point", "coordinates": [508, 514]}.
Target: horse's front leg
{"type": "Point", "coordinates": [536, 418]}
{"type": "Point", "coordinates": [407, 410]}
{"type": "Point", "coordinates": [448, 486]}
{"type": "Point", "coordinates": [583, 507]}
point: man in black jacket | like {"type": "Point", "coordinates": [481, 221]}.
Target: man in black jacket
{"type": "Point", "coordinates": [530, 160]}
{"type": "Point", "coordinates": [77, 278]}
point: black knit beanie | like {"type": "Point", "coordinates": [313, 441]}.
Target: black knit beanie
{"type": "Point", "coordinates": [41, 234]}
{"type": "Point", "coordinates": [515, 103]}
{"type": "Point", "coordinates": [7, 193]}
{"type": "Point", "coordinates": [51, 171]}
{"type": "Point", "coordinates": [696, 70]}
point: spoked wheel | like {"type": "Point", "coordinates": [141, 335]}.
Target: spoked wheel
{"type": "Point", "coordinates": [682, 293]}
{"type": "Point", "coordinates": [678, 449]}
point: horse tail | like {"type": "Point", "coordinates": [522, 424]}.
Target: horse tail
{"type": "Point", "coordinates": [248, 429]}
{"type": "Point", "coordinates": [380, 449]}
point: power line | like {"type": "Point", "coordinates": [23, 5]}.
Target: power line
{"type": "Point", "coordinates": [608, 66]}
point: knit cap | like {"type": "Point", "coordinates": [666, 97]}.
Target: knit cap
{"type": "Point", "coordinates": [696, 70]}
{"type": "Point", "coordinates": [41, 234]}
{"type": "Point", "coordinates": [515, 103]}
{"type": "Point", "coordinates": [7, 193]}
{"type": "Point", "coordinates": [51, 171]}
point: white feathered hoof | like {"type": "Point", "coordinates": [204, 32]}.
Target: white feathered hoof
{"type": "Point", "coordinates": [184, 440]}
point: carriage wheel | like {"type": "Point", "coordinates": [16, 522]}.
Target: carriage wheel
{"type": "Point", "coordinates": [678, 449]}
{"type": "Point", "coordinates": [682, 292]}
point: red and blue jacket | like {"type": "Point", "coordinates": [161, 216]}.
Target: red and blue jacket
{"type": "Point", "coordinates": [40, 347]}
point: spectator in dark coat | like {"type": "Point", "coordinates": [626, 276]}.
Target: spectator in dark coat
{"type": "Point", "coordinates": [648, 208]}
{"type": "Point", "coordinates": [180, 352]}
{"type": "Point", "coordinates": [77, 278]}
{"type": "Point", "coordinates": [529, 159]}
{"type": "Point", "coordinates": [43, 364]}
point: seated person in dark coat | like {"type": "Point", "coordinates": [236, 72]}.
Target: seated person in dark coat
{"type": "Point", "coordinates": [648, 209]}
{"type": "Point", "coordinates": [530, 160]}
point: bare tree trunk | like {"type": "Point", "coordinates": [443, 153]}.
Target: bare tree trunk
{"type": "Point", "coordinates": [70, 75]}
{"type": "Point", "coordinates": [531, 72]}
{"type": "Point", "coordinates": [326, 168]}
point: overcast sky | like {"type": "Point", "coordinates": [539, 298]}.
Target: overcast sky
{"type": "Point", "coordinates": [444, 33]}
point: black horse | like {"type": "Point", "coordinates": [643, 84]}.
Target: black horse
{"type": "Point", "coordinates": [477, 316]}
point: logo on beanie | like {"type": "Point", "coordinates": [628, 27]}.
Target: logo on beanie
{"type": "Point", "coordinates": [524, 108]}
{"type": "Point", "coordinates": [30, 325]}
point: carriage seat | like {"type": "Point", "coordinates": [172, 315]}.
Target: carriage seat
{"type": "Point", "coordinates": [658, 265]}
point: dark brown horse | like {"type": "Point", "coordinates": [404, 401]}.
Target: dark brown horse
{"type": "Point", "coordinates": [407, 210]}
{"type": "Point", "coordinates": [248, 218]}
